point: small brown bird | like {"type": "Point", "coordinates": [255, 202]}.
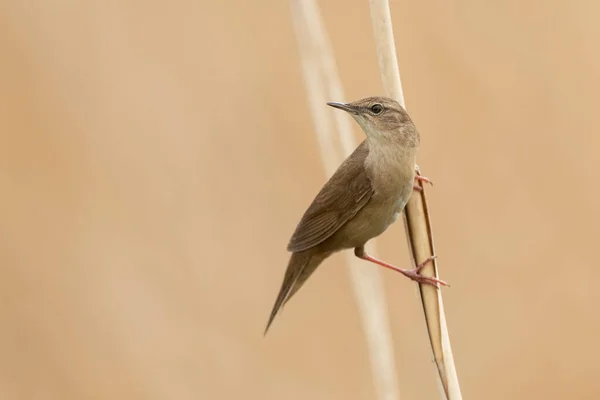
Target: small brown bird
{"type": "Point", "coordinates": [364, 196]}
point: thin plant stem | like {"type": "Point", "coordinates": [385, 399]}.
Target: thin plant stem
{"type": "Point", "coordinates": [416, 214]}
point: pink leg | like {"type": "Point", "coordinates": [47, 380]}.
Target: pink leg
{"type": "Point", "coordinates": [412, 274]}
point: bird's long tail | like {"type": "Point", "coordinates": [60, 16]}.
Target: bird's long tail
{"type": "Point", "coordinates": [299, 269]}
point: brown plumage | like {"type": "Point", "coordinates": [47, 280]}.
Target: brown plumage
{"type": "Point", "coordinates": [364, 196]}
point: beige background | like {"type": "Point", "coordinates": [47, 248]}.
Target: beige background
{"type": "Point", "coordinates": [155, 157]}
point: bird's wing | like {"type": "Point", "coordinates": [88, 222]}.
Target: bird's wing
{"type": "Point", "coordinates": [346, 192]}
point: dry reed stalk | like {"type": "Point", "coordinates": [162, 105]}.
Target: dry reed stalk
{"type": "Point", "coordinates": [322, 85]}
{"type": "Point", "coordinates": [416, 216]}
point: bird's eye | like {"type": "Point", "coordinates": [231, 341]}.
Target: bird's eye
{"type": "Point", "coordinates": [376, 108]}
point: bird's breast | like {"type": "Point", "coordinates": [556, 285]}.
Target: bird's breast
{"type": "Point", "coordinates": [393, 194]}
{"type": "Point", "coordinates": [391, 171]}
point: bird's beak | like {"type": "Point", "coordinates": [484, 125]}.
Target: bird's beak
{"type": "Point", "coordinates": [342, 106]}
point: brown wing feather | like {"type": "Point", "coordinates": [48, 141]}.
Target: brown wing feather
{"type": "Point", "coordinates": [346, 192]}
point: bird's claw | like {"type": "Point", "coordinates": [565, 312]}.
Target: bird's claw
{"type": "Point", "coordinates": [423, 179]}
{"type": "Point", "coordinates": [415, 276]}
{"type": "Point", "coordinates": [428, 280]}
{"type": "Point", "coordinates": [418, 187]}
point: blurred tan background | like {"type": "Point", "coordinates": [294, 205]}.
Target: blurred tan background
{"type": "Point", "coordinates": [155, 158]}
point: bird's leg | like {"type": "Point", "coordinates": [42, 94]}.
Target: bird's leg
{"type": "Point", "coordinates": [412, 274]}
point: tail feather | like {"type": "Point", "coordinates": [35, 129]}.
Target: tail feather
{"type": "Point", "coordinates": [299, 269]}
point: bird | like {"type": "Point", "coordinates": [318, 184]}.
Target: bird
{"type": "Point", "coordinates": [364, 196]}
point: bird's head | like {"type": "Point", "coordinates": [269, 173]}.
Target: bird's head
{"type": "Point", "coordinates": [382, 119]}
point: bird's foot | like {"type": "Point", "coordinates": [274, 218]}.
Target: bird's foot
{"type": "Point", "coordinates": [422, 179]}
{"type": "Point", "coordinates": [415, 276]}
{"type": "Point", "coordinates": [412, 274]}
